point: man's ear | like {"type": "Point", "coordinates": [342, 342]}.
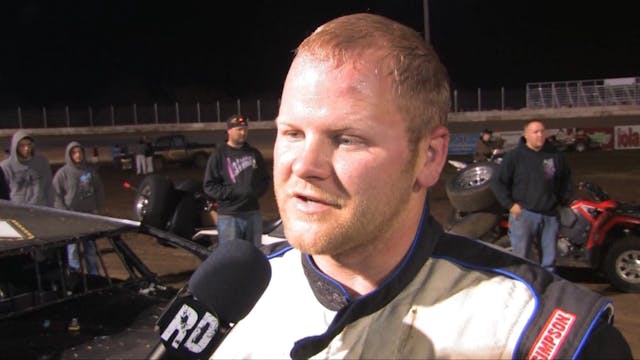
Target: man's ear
{"type": "Point", "coordinates": [433, 148]}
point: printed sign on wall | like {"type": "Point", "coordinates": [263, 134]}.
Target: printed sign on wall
{"type": "Point", "coordinates": [463, 143]}
{"type": "Point", "coordinates": [627, 137]}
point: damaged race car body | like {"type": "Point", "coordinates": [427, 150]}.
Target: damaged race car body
{"type": "Point", "coordinates": [48, 310]}
{"type": "Point", "coordinates": [182, 208]}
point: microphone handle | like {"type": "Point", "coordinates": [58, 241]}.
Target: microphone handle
{"type": "Point", "coordinates": [159, 352]}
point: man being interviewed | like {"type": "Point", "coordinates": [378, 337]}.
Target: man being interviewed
{"type": "Point", "coordinates": [361, 138]}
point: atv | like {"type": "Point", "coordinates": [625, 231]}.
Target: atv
{"type": "Point", "coordinates": [596, 231]}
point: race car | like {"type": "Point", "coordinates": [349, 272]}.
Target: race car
{"type": "Point", "coordinates": [49, 311]}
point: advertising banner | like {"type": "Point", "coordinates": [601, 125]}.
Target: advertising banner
{"type": "Point", "coordinates": [564, 139]}
{"type": "Point", "coordinates": [627, 137]}
{"type": "Point", "coordinates": [463, 143]}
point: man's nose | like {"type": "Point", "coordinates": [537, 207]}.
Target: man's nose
{"type": "Point", "coordinates": [314, 159]}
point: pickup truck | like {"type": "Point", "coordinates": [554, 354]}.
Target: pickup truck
{"type": "Point", "coordinates": [176, 149]}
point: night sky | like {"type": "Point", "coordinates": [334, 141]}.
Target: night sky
{"type": "Point", "coordinates": [125, 51]}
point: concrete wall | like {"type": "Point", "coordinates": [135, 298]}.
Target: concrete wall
{"type": "Point", "coordinates": [51, 141]}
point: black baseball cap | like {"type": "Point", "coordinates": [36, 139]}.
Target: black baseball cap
{"type": "Point", "coordinates": [237, 120]}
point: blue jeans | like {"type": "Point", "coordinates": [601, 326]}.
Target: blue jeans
{"type": "Point", "coordinates": [89, 247]}
{"type": "Point", "coordinates": [528, 226]}
{"type": "Point", "coordinates": [243, 226]}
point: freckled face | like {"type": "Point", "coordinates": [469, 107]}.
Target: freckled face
{"type": "Point", "coordinates": [342, 171]}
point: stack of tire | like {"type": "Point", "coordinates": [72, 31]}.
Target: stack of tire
{"type": "Point", "coordinates": [476, 212]}
{"type": "Point", "coordinates": [173, 208]}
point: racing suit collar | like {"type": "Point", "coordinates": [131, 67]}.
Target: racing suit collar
{"type": "Point", "coordinates": [334, 296]}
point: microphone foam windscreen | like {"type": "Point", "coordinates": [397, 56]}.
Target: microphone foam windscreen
{"type": "Point", "coordinates": [231, 280]}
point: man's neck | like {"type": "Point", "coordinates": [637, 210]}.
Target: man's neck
{"type": "Point", "coordinates": [234, 145]}
{"type": "Point", "coordinates": [534, 148]}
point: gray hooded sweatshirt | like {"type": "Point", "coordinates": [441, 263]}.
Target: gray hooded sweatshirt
{"type": "Point", "coordinates": [78, 187]}
{"type": "Point", "coordinates": [29, 180]}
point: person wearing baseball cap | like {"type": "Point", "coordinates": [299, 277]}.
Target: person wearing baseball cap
{"type": "Point", "coordinates": [236, 177]}
{"type": "Point", "coordinates": [485, 145]}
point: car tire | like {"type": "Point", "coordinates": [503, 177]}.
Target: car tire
{"type": "Point", "coordinates": [469, 189]}
{"type": "Point", "coordinates": [475, 225]}
{"type": "Point", "coordinates": [200, 160]}
{"type": "Point", "coordinates": [185, 218]}
{"type": "Point", "coordinates": [620, 264]}
{"type": "Point", "coordinates": [190, 186]}
{"type": "Point", "coordinates": [154, 201]}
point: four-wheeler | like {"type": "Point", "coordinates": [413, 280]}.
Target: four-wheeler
{"type": "Point", "coordinates": [596, 231]}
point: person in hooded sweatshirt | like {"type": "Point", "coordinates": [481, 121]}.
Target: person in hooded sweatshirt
{"type": "Point", "coordinates": [27, 174]}
{"type": "Point", "coordinates": [533, 180]}
{"type": "Point", "coordinates": [78, 187]}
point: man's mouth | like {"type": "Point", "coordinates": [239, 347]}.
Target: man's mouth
{"type": "Point", "coordinates": [316, 199]}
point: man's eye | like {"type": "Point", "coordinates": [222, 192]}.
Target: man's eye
{"type": "Point", "coordinates": [348, 141]}
{"type": "Point", "coordinates": [293, 134]}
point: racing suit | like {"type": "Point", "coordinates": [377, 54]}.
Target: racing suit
{"type": "Point", "coordinates": [450, 297]}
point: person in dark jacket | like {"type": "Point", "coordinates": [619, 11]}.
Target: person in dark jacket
{"type": "Point", "coordinates": [533, 180]}
{"type": "Point", "coordinates": [236, 177]}
{"type": "Point", "coordinates": [148, 156]}
{"type": "Point", "coordinates": [485, 145]}
{"type": "Point", "coordinates": [78, 187]}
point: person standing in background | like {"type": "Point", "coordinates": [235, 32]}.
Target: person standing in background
{"type": "Point", "coordinates": [78, 187]}
{"type": "Point", "coordinates": [148, 156]}
{"type": "Point", "coordinates": [486, 145]}
{"type": "Point", "coordinates": [236, 177]}
{"type": "Point", "coordinates": [533, 180]}
{"type": "Point", "coordinates": [27, 173]}
{"type": "Point", "coordinates": [141, 160]}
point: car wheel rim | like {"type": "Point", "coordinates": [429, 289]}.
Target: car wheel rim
{"type": "Point", "coordinates": [142, 203]}
{"type": "Point", "coordinates": [628, 266]}
{"type": "Point", "coordinates": [474, 177]}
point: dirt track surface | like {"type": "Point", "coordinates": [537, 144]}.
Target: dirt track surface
{"type": "Point", "coordinates": [617, 172]}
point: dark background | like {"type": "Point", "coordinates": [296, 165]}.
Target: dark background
{"type": "Point", "coordinates": [124, 51]}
